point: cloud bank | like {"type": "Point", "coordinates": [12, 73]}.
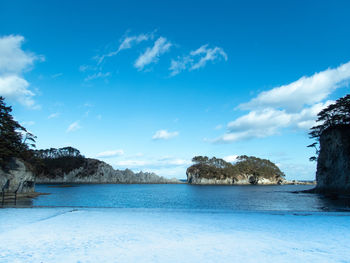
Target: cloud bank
{"type": "Point", "coordinates": [293, 106]}
{"type": "Point", "coordinates": [305, 91]}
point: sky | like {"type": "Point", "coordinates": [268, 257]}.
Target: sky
{"type": "Point", "coordinates": [147, 85]}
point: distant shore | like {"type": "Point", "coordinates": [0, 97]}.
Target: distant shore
{"type": "Point", "coordinates": [180, 181]}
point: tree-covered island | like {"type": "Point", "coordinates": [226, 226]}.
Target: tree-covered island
{"type": "Point", "coordinates": [247, 170]}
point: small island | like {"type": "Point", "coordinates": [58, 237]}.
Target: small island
{"type": "Point", "coordinates": [247, 170]}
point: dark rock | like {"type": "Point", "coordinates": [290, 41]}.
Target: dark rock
{"type": "Point", "coordinates": [333, 164]}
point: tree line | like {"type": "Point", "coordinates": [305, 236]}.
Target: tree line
{"type": "Point", "coordinates": [220, 169]}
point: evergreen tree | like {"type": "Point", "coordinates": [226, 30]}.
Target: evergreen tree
{"type": "Point", "coordinates": [15, 140]}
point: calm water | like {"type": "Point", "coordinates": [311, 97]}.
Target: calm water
{"type": "Point", "coordinates": [182, 196]}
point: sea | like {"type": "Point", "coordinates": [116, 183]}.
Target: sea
{"type": "Point", "coordinates": [221, 198]}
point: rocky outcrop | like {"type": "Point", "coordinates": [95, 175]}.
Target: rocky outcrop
{"type": "Point", "coordinates": [333, 163]}
{"type": "Point", "coordinates": [16, 178]}
{"type": "Point", "coordinates": [93, 171]}
{"type": "Point", "coordinates": [195, 176]}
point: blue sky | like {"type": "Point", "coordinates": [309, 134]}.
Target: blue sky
{"type": "Point", "coordinates": [149, 84]}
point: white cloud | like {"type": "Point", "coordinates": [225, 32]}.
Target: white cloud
{"type": "Point", "coordinates": [231, 158]}
{"type": "Point", "coordinates": [307, 117]}
{"type": "Point", "coordinates": [164, 135]}
{"type": "Point", "coordinates": [13, 63]}
{"type": "Point", "coordinates": [218, 127]}
{"type": "Point", "coordinates": [13, 59]}
{"type": "Point", "coordinates": [129, 41]}
{"type": "Point", "coordinates": [259, 123]}
{"type": "Point", "coordinates": [151, 55]}
{"type": "Point", "coordinates": [196, 59]}
{"type": "Point", "coordinates": [304, 91]}
{"type": "Point", "coordinates": [179, 65]}
{"type": "Point", "coordinates": [74, 127]}
{"type": "Point", "coordinates": [207, 54]}
{"type": "Point", "coordinates": [126, 43]}
{"type": "Point", "coordinates": [268, 122]}
{"type": "Point", "coordinates": [112, 153]}
{"type": "Point", "coordinates": [53, 115]}
{"type": "Point", "coordinates": [293, 106]}
{"type": "Point", "coordinates": [97, 76]}
{"type": "Point", "coordinates": [14, 87]}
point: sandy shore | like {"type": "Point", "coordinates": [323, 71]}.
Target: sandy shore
{"type": "Point", "coordinates": [126, 235]}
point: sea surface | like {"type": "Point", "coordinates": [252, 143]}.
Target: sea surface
{"type": "Point", "coordinates": [187, 197]}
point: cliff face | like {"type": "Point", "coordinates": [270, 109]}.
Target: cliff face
{"type": "Point", "coordinates": [333, 164]}
{"type": "Point", "coordinates": [94, 171]}
{"type": "Point", "coordinates": [197, 175]}
{"type": "Point", "coordinates": [16, 178]}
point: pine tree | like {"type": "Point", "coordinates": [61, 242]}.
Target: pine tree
{"type": "Point", "coordinates": [335, 115]}
{"type": "Point", "coordinates": [15, 140]}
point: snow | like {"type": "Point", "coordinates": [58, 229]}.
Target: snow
{"type": "Point", "coordinates": [145, 235]}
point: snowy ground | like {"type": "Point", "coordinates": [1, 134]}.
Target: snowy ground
{"type": "Point", "coordinates": [124, 235]}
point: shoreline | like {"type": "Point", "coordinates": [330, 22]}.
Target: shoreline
{"type": "Point", "coordinates": [180, 182]}
{"type": "Point", "coordinates": [20, 201]}
{"type": "Point", "coordinates": [119, 235]}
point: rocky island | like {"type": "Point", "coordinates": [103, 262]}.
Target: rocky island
{"type": "Point", "coordinates": [247, 170]}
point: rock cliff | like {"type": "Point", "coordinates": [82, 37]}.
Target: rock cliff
{"type": "Point", "coordinates": [93, 171]}
{"type": "Point", "coordinates": [333, 163]}
{"type": "Point", "coordinates": [16, 178]}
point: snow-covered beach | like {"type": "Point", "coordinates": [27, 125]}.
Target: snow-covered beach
{"type": "Point", "coordinates": [150, 235]}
